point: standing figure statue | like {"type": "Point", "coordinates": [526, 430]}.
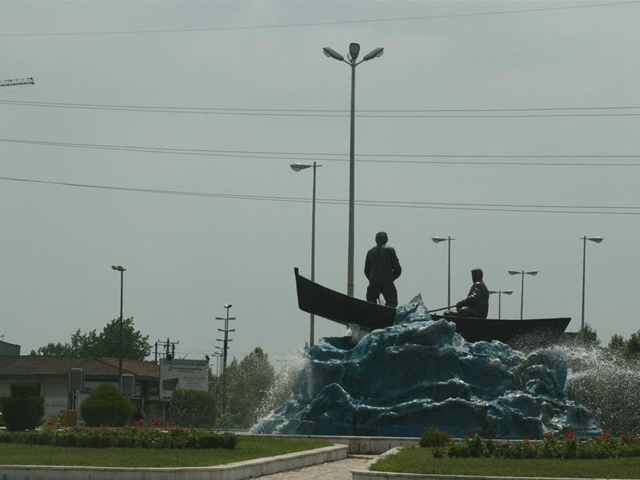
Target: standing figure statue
{"type": "Point", "coordinates": [477, 302]}
{"type": "Point", "coordinates": [381, 268]}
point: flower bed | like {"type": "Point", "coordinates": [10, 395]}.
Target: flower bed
{"type": "Point", "coordinates": [562, 446]}
{"type": "Point", "coordinates": [127, 437]}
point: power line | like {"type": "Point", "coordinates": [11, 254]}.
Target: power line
{"type": "Point", "coordinates": [318, 24]}
{"type": "Point", "coordinates": [108, 106]}
{"type": "Point", "coordinates": [519, 208]}
{"type": "Point", "coordinates": [330, 113]}
{"type": "Point", "coordinates": [338, 157]}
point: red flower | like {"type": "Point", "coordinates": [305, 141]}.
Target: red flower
{"type": "Point", "coordinates": [527, 438]}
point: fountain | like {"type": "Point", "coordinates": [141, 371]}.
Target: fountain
{"type": "Point", "coordinates": [420, 372]}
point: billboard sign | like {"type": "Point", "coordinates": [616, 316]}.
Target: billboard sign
{"type": "Point", "coordinates": [182, 375]}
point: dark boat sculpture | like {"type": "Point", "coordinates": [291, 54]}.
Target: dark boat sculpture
{"type": "Point", "coordinates": [340, 308]}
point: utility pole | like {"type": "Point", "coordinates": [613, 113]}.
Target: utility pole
{"type": "Point", "coordinates": [169, 348]}
{"type": "Point", "coordinates": [225, 349]}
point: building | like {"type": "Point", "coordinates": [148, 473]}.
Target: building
{"type": "Point", "coordinates": [51, 374]}
{"type": "Point", "coordinates": [9, 349]}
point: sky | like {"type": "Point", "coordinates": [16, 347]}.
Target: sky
{"type": "Point", "coordinates": [158, 136]}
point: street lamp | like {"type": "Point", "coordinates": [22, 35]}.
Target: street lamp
{"type": "Point", "coordinates": [296, 167]}
{"type": "Point", "coordinates": [120, 269]}
{"type": "Point", "coordinates": [354, 51]}
{"type": "Point", "coordinates": [533, 273]}
{"type": "Point", "coordinates": [584, 271]}
{"type": "Point", "coordinates": [225, 348]}
{"type": "Point", "coordinates": [448, 240]}
{"type": "Point", "coordinates": [500, 293]}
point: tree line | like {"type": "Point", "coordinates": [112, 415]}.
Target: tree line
{"type": "Point", "coordinates": [248, 381]}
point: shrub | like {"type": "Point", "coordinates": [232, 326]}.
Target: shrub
{"type": "Point", "coordinates": [562, 446]}
{"type": "Point", "coordinates": [106, 407]}
{"type": "Point", "coordinates": [24, 409]}
{"type": "Point", "coordinates": [432, 437]}
{"type": "Point", "coordinates": [132, 437]}
{"type": "Point", "coordinates": [192, 408]}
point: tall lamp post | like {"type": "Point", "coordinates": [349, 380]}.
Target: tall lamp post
{"type": "Point", "coordinates": [354, 51]}
{"type": "Point", "coordinates": [296, 167]}
{"type": "Point", "coordinates": [448, 240]}
{"type": "Point", "coordinates": [584, 275]}
{"type": "Point", "coordinates": [533, 273]}
{"type": "Point", "coordinates": [500, 293]}
{"type": "Point", "coordinates": [120, 269]}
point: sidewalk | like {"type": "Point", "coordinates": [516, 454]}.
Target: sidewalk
{"type": "Point", "coordinates": [340, 470]}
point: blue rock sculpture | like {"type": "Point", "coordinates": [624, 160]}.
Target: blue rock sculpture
{"type": "Point", "coordinates": [420, 372]}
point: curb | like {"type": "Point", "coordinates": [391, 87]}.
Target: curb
{"type": "Point", "coordinates": [357, 444]}
{"type": "Point", "coordinates": [232, 471]}
{"type": "Point", "coordinates": [366, 474]}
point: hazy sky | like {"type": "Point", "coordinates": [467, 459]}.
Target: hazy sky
{"type": "Point", "coordinates": [491, 122]}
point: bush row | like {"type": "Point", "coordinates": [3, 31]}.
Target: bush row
{"type": "Point", "coordinates": [566, 446]}
{"type": "Point", "coordinates": [123, 437]}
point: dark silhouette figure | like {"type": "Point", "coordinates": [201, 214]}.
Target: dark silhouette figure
{"type": "Point", "coordinates": [477, 302]}
{"type": "Point", "coordinates": [382, 267]}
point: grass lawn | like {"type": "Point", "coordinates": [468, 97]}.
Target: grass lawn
{"type": "Point", "coordinates": [246, 449]}
{"type": "Point", "coordinates": [420, 460]}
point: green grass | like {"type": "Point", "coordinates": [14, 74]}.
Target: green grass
{"type": "Point", "coordinates": [247, 449]}
{"type": "Point", "coordinates": [420, 460]}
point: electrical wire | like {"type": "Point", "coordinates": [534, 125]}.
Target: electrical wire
{"type": "Point", "coordinates": [489, 207]}
{"type": "Point", "coordinates": [337, 157]}
{"type": "Point", "coordinates": [329, 113]}
{"type": "Point", "coordinates": [318, 24]}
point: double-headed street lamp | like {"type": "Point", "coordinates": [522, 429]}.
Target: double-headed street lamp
{"type": "Point", "coordinates": [500, 293]}
{"type": "Point", "coordinates": [584, 274]}
{"type": "Point", "coordinates": [296, 167]}
{"type": "Point", "coordinates": [354, 51]}
{"type": "Point", "coordinates": [448, 240]}
{"type": "Point", "coordinates": [120, 269]}
{"type": "Point", "coordinates": [533, 273]}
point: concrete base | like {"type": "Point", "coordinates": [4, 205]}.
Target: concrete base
{"type": "Point", "coordinates": [357, 445]}
{"type": "Point", "coordinates": [232, 471]}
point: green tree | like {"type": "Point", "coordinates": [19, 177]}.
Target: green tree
{"type": "Point", "coordinates": [248, 384]}
{"type": "Point", "coordinates": [629, 349]}
{"type": "Point", "coordinates": [591, 336]}
{"type": "Point", "coordinates": [135, 346]}
{"type": "Point", "coordinates": [616, 344]}
{"type": "Point", "coordinates": [55, 349]}
{"type": "Point", "coordinates": [192, 408]}
{"type": "Point", "coordinates": [24, 409]}
{"type": "Point", "coordinates": [632, 346]}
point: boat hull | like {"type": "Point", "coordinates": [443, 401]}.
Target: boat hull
{"type": "Point", "coordinates": [338, 307]}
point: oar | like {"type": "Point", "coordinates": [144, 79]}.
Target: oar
{"type": "Point", "coordinates": [440, 309]}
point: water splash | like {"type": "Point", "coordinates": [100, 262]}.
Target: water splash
{"type": "Point", "coordinates": [421, 373]}
{"type": "Point", "coordinates": [606, 384]}
{"type": "Point", "coordinates": [283, 386]}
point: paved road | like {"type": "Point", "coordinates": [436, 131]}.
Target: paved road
{"type": "Point", "coordinates": [340, 470]}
